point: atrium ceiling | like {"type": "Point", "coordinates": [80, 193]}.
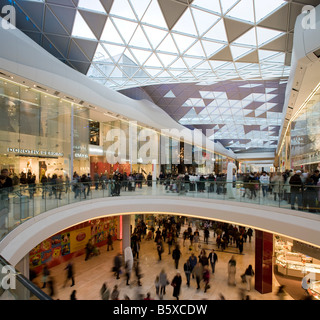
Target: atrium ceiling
{"type": "Point", "coordinates": [215, 64]}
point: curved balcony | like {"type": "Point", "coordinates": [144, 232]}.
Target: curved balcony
{"type": "Point", "coordinates": [25, 202]}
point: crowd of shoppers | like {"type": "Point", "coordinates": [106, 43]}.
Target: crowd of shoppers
{"type": "Point", "coordinates": [300, 189]}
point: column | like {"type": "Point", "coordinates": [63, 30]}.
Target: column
{"type": "Point", "coordinates": [125, 229]}
{"type": "Point", "coordinates": [263, 261]}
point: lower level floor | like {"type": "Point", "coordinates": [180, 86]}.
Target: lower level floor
{"type": "Point", "coordinates": [91, 274]}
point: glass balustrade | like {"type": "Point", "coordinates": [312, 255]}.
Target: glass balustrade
{"type": "Point", "coordinates": [26, 201]}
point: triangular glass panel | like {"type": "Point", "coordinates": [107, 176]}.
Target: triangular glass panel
{"type": "Point", "coordinates": [279, 58]}
{"type": "Point", "coordinates": [169, 94]}
{"type": "Point", "coordinates": [212, 5]}
{"type": "Point", "coordinates": [91, 5]}
{"type": "Point", "coordinates": [196, 50]}
{"type": "Point", "coordinates": [249, 38]}
{"type": "Point", "coordinates": [175, 72]}
{"type": "Point", "coordinates": [126, 28]}
{"type": "Point", "coordinates": [139, 39]}
{"type": "Point", "coordinates": [141, 55]}
{"type": "Point", "coordinates": [154, 16]}
{"type": "Point", "coordinates": [217, 32]}
{"type": "Point", "coordinates": [105, 69]}
{"type": "Point", "coordinates": [243, 11]}
{"type": "Point", "coordinates": [140, 73]}
{"type": "Point", "coordinates": [204, 20]}
{"type": "Point", "coordinates": [128, 59]}
{"type": "Point", "coordinates": [139, 7]}
{"type": "Point", "coordinates": [166, 59]}
{"type": "Point", "coordinates": [81, 29]}
{"type": "Point", "coordinates": [155, 35]}
{"type": "Point", "coordinates": [191, 62]}
{"type": "Point", "coordinates": [186, 24]}
{"type": "Point", "coordinates": [265, 35]}
{"type": "Point", "coordinates": [227, 4]}
{"type": "Point", "coordinates": [183, 42]}
{"type": "Point", "coordinates": [205, 66]}
{"type": "Point", "coordinates": [110, 33]}
{"type": "Point", "coordinates": [167, 45]}
{"type": "Point", "coordinates": [122, 8]}
{"type": "Point", "coordinates": [153, 61]}
{"type": "Point", "coordinates": [153, 72]}
{"type": "Point", "coordinates": [263, 11]}
{"type": "Point", "coordinates": [238, 51]}
{"type": "Point", "coordinates": [266, 54]}
{"type": "Point", "coordinates": [211, 47]}
{"type": "Point", "coordinates": [114, 51]}
{"type": "Point", "coordinates": [217, 64]}
{"type": "Point", "coordinates": [178, 64]}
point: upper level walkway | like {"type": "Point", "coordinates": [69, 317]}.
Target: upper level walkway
{"type": "Point", "coordinates": [30, 215]}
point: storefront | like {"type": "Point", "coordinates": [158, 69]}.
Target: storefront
{"type": "Point", "coordinates": [46, 135]}
{"type": "Point", "coordinates": [38, 133]}
{"type": "Point", "coordinates": [304, 149]}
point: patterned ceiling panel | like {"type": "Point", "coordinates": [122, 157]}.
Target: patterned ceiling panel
{"type": "Point", "coordinates": [241, 115]}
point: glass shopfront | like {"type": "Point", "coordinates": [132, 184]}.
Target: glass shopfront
{"type": "Point", "coordinates": [35, 132]}
{"type": "Point", "coordinates": [305, 137]}
{"type": "Point", "coordinates": [45, 135]}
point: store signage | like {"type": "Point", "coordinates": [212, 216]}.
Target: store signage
{"type": "Point", "coordinates": [36, 152]}
{"type": "Point", "coordinates": [81, 155]}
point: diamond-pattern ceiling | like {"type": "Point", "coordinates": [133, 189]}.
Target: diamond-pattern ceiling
{"type": "Point", "coordinates": [241, 115]}
{"type": "Point", "coordinates": [129, 43]}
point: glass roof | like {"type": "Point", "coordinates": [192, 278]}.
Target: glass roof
{"type": "Point", "coordinates": [126, 44]}
{"type": "Point", "coordinates": [145, 49]}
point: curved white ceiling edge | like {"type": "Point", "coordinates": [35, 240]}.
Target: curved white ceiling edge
{"type": "Point", "coordinates": [305, 42]}
{"type": "Point", "coordinates": [300, 226]}
{"type": "Point", "coordinates": [23, 57]}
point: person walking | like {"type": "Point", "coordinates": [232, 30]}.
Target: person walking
{"type": "Point", "coordinates": [206, 278]}
{"type": "Point", "coordinates": [70, 274]}
{"type": "Point", "coordinates": [73, 295]}
{"type": "Point", "coordinates": [240, 244]}
{"type": "Point", "coordinates": [115, 293]}
{"type": "Point", "coordinates": [193, 262]}
{"type": "Point", "coordinates": [187, 270]}
{"type": "Point", "coordinates": [138, 272]}
{"type": "Point", "coordinates": [157, 284]}
{"type": "Point", "coordinates": [198, 273]}
{"type": "Point", "coordinates": [117, 265]}
{"type": "Point", "coordinates": [213, 258]}
{"type": "Point", "coordinates": [104, 292]}
{"type": "Point", "coordinates": [232, 271]}
{"type": "Point", "coordinates": [159, 248]}
{"type": "Point", "coordinates": [250, 233]}
{"type": "Point", "coordinates": [249, 273]}
{"type": "Point", "coordinates": [196, 238]}
{"type": "Point", "coordinates": [176, 254]}
{"type": "Point", "coordinates": [109, 242]}
{"type": "Point", "coordinates": [45, 275]}
{"type": "Point", "coordinates": [163, 283]}
{"type": "Point", "coordinates": [176, 283]}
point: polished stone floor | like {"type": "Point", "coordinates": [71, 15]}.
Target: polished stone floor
{"type": "Point", "coordinates": [91, 274]}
